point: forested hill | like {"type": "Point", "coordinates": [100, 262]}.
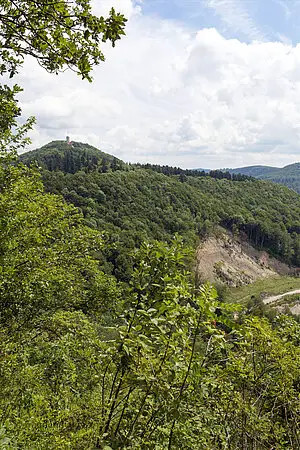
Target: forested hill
{"type": "Point", "coordinates": [288, 175]}
{"type": "Point", "coordinates": [70, 157]}
{"type": "Point", "coordinates": [135, 203]}
{"type": "Point", "coordinates": [254, 171]}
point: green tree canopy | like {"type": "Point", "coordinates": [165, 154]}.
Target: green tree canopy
{"type": "Point", "coordinates": [46, 252]}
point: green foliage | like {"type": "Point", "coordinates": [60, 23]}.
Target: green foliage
{"type": "Point", "coordinates": [10, 140]}
{"type": "Point", "coordinates": [60, 35]}
{"type": "Point", "coordinates": [45, 250]}
{"type": "Point", "coordinates": [135, 204]}
{"type": "Point", "coordinates": [88, 363]}
{"type": "Point", "coordinates": [256, 392]}
{"type": "Point", "coordinates": [168, 170]}
{"type": "Point", "coordinates": [164, 376]}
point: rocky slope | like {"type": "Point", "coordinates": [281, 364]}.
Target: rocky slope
{"type": "Point", "coordinates": [234, 262]}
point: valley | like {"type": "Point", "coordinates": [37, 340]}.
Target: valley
{"type": "Point", "coordinates": [137, 203]}
{"type": "Point", "coordinates": [111, 336]}
{"type": "Point", "coordinates": [144, 306]}
{"type": "Point", "coordinates": [245, 231]}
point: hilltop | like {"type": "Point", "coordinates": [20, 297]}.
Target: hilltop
{"type": "Point", "coordinates": [70, 157]}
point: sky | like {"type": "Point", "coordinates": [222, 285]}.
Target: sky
{"type": "Point", "coordinates": [195, 83]}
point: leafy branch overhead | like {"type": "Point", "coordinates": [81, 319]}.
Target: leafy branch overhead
{"type": "Point", "coordinates": [60, 35]}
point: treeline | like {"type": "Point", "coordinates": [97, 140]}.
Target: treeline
{"type": "Point", "coordinates": [72, 157]}
{"type": "Point", "coordinates": [169, 170]}
{"type": "Point", "coordinates": [87, 362]}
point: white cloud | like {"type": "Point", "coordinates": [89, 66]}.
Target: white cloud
{"type": "Point", "coordinates": [126, 7]}
{"type": "Point", "coordinates": [172, 96]}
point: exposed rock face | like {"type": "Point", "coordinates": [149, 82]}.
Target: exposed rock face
{"type": "Point", "coordinates": [234, 262]}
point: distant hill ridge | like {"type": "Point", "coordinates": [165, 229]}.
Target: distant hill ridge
{"type": "Point", "coordinates": [288, 175]}
{"type": "Point", "coordinates": [72, 157]}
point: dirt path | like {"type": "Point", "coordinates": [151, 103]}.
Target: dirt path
{"type": "Point", "coordinates": [273, 298]}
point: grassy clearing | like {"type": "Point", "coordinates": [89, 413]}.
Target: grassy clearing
{"type": "Point", "coordinates": [274, 285]}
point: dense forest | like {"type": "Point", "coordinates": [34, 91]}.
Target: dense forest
{"type": "Point", "coordinates": [88, 362]}
{"type": "Point", "coordinates": [134, 203]}
{"type": "Point", "coordinates": [100, 353]}
{"type": "Point", "coordinates": [288, 175]}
